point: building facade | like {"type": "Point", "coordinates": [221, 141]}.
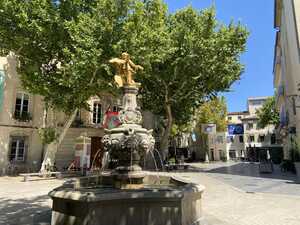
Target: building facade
{"type": "Point", "coordinates": [21, 116]}
{"type": "Point", "coordinates": [286, 71]}
{"type": "Point", "coordinates": [244, 139]}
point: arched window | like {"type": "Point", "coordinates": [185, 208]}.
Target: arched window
{"type": "Point", "coordinates": [22, 107]}
{"type": "Point", "coordinates": [97, 113]}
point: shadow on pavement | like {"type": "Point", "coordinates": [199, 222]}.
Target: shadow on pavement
{"type": "Point", "coordinates": [251, 170]}
{"type": "Point", "coordinates": [25, 211]}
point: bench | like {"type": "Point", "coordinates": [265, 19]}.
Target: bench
{"type": "Point", "coordinates": [26, 176]}
{"type": "Point", "coordinates": [176, 167]}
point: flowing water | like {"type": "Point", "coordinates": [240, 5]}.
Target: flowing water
{"type": "Point", "coordinates": [160, 158]}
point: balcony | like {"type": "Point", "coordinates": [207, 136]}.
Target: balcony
{"type": "Point", "coordinates": [22, 116]}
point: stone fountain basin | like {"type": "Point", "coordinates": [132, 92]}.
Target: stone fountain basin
{"type": "Point", "coordinates": [93, 201]}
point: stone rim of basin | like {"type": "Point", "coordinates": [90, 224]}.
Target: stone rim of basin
{"type": "Point", "coordinates": [181, 188]}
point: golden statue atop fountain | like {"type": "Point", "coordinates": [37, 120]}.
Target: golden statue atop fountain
{"type": "Point", "coordinates": [125, 70]}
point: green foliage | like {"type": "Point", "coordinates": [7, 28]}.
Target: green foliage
{"type": "Point", "coordinates": [172, 161]}
{"type": "Point", "coordinates": [198, 58]}
{"type": "Point", "coordinates": [178, 129]}
{"type": "Point", "coordinates": [213, 111]}
{"type": "Point", "coordinates": [48, 135]}
{"type": "Point", "coordinates": [295, 149]}
{"type": "Point", "coordinates": [268, 114]}
{"type": "Point", "coordinates": [63, 47]}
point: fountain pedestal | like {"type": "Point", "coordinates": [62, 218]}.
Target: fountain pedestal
{"type": "Point", "coordinates": [129, 143]}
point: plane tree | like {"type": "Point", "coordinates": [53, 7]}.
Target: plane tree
{"type": "Point", "coordinates": [200, 58]}
{"type": "Point", "coordinates": [63, 48]}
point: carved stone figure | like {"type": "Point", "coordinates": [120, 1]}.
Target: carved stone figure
{"type": "Point", "coordinates": [125, 70]}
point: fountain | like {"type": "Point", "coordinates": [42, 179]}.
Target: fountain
{"type": "Point", "coordinates": [127, 195]}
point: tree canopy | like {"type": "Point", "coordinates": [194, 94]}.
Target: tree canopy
{"type": "Point", "coordinates": [199, 58]}
{"type": "Point", "coordinates": [64, 47]}
{"type": "Point", "coordinates": [268, 114]}
{"type": "Point", "coordinates": [213, 111]}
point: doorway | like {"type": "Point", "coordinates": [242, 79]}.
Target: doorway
{"type": "Point", "coordinates": [212, 157]}
{"type": "Point", "coordinates": [96, 153]}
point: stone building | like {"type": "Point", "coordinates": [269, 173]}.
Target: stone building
{"type": "Point", "coordinates": [244, 139]}
{"type": "Point", "coordinates": [286, 71]}
{"type": "Point", "coordinates": [21, 116]}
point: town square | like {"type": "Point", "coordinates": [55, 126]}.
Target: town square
{"type": "Point", "coordinates": [149, 112]}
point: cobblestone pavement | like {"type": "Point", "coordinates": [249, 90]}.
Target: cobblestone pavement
{"type": "Point", "coordinates": [27, 203]}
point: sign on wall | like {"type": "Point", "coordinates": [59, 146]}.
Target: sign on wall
{"type": "Point", "coordinates": [235, 129]}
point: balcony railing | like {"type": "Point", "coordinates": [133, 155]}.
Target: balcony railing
{"type": "Point", "coordinates": [22, 116]}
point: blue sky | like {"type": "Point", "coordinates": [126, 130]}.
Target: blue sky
{"type": "Point", "coordinates": [257, 15]}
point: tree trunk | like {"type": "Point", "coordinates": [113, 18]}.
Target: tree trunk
{"type": "Point", "coordinates": [164, 143]}
{"type": "Point", "coordinates": [52, 148]}
{"type": "Point", "coordinates": [44, 125]}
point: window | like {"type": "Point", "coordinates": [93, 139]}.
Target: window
{"type": "Point", "coordinates": [251, 138]}
{"type": "Point", "coordinates": [221, 155]}
{"type": "Point", "coordinates": [242, 153]}
{"type": "Point", "coordinates": [250, 126]}
{"type": "Point", "coordinates": [219, 139]}
{"type": "Point", "coordinates": [97, 113]}
{"type": "Point", "coordinates": [78, 120]}
{"type": "Point", "coordinates": [232, 154]}
{"type": "Point", "coordinates": [230, 139]}
{"type": "Point", "coordinates": [115, 108]}
{"type": "Point", "coordinates": [239, 117]}
{"type": "Point", "coordinates": [229, 118]}
{"type": "Point", "coordinates": [257, 102]}
{"type": "Point", "coordinates": [78, 116]}
{"type": "Point", "coordinates": [261, 138]}
{"type": "Point", "coordinates": [241, 139]}
{"type": "Point", "coordinates": [17, 148]}
{"type": "Point", "coordinates": [22, 106]}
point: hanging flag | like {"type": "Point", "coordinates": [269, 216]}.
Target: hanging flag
{"type": "Point", "coordinates": [235, 129]}
{"type": "Point", "coordinates": [111, 119]}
